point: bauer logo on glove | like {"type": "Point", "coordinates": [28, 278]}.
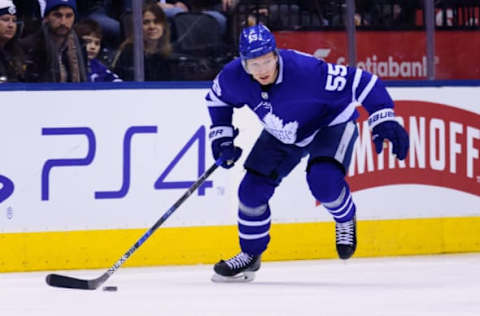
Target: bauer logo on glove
{"type": "Point", "coordinates": [223, 147]}
{"type": "Point", "coordinates": [384, 126]}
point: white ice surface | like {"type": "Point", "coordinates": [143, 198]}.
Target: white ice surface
{"type": "Point", "coordinates": [421, 285]}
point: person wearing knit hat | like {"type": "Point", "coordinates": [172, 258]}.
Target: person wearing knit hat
{"type": "Point", "coordinates": [11, 55]}
{"type": "Point", "coordinates": [50, 5]}
{"type": "Point", "coordinates": [7, 7]}
{"type": "Point", "coordinates": [8, 21]}
{"type": "Point", "coordinates": [60, 19]}
{"type": "Point", "coordinates": [54, 52]}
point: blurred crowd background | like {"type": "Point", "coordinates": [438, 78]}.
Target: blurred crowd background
{"type": "Point", "coordinates": [93, 40]}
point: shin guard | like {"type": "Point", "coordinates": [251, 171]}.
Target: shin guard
{"type": "Point", "coordinates": [327, 184]}
{"type": "Point", "coordinates": [254, 213]}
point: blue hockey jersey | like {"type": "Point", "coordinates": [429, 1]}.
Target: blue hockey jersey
{"type": "Point", "coordinates": [98, 72]}
{"type": "Point", "coordinates": [308, 94]}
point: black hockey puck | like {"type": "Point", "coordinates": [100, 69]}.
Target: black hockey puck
{"type": "Point", "coordinates": [110, 288]}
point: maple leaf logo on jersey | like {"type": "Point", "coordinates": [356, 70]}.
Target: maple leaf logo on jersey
{"type": "Point", "coordinates": [287, 133]}
{"type": "Point", "coordinates": [263, 108]}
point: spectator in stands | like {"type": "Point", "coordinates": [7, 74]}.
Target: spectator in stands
{"type": "Point", "coordinates": [101, 12]}
{"type": "Point", "coordinates": [228, 5]}
{"type": "Point", "coordinates": [11, 55]}
{"type": "Point", "coordinates": [278, 15]}
{"type": "Point", "coordinates": [257, 11]}
{"type": "Point", "coordinates": [408, 14]}
{"type": "Point", "coordinates": [54, 53]}
{"type": "Point", "coordinates": [214, 8]}
{"type": "Point", "coordinates": [28, 12]}
{"type": "Point", "coordinates": [90, 34]}
{"type": "Point", "coordinates": [172, 7]}
{"type": "Point", "coordinates": [386, 13]}
{"type": "Point", "coordinates": [292, 14]}
{"type": "Point", "coordinates": [157, 48]}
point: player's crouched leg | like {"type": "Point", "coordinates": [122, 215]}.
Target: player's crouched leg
{"type": "Point", "coordinates": [253, 230]}
{"type": "Point", "coordinates": [327, 184]}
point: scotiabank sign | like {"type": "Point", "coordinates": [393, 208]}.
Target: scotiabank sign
{"type": "Point", "coordinates": [394, 55]}
{"type": "Point", "coordinates": [444, 150]}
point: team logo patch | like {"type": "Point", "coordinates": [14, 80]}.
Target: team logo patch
{"type": "Point", "coordinates": [287, 133]}
{"type": "Point", "coordinates": [253, 36]}
{"type": "Point", "coordinates": [274, 125]}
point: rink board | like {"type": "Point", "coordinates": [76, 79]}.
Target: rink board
{"type": "Point", "coordinates": [208, 244]}
{"type": "Point", "coordinates": [81, 181]}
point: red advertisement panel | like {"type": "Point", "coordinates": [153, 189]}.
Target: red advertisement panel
{"type": "Point", "coordinates": [394, 55]}
{"type": "Point", "coordinates": [444, 150]}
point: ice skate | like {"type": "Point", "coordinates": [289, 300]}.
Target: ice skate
{"type": "Point", "coordinates": [346, 238]}
{"type": "Point", "coordinates": [240, 268]}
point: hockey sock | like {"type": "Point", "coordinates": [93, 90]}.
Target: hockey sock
{"type": "Point", "coordinates": [254, 231]}
{"type": "Point", "coordinates": [254, 213]}
{"type": "Point", "coordinates": [327, 184]}
{"type": "Point", "coordinates": [343, 208]}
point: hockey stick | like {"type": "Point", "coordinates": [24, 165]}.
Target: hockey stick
{"type": "Point", "coordinates": [64, 281]}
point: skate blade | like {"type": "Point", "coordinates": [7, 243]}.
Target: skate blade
{"type": "Point", "coordinates": [247, 276]}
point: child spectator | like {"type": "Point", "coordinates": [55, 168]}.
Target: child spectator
{"type": "Point", "coordinates": [90, 34]}
{"type": "Point", "coordinates": [11, 55]}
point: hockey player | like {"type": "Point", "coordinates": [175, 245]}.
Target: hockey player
{"type": "Point", "coordinates": [307, 108]}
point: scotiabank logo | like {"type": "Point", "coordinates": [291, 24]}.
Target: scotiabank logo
{"type": "Point", "coordinates": [392, 68]}
{"type": "Point", "coordinates": [444, 150]}
{"type": "Point", "coordinates": [389, 67]}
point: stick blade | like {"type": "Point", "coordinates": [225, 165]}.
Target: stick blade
{"type": "Point", "coordinates": [63, 281]}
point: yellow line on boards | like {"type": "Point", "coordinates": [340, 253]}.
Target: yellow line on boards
{"type": "Point", "coordinates": [91, 249]}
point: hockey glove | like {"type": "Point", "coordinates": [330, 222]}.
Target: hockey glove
{"type": "Point", "coordinates": [384, 126]}
{"type": "Point", "coordinates": [221, 138]}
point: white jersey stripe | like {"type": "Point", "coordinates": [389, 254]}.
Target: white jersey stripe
{"type": "Point", "coordinates": [344, 141]}
{"type": "Point", "coordinates": [356, 81]}
{"type": "Point", "coordinates": [367, 89]}
{"type": "Point", "coordinates": [215, 101]}
{"type": "Point", "coordinates": [348, 111]}
{"type": "Point", "coordinates": [345, 114]}
{"type": "Point", "coordinates": [213, 104]}
{"type": "Point", "coordinates": [308, 140]}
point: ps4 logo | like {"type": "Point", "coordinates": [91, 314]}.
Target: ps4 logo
{"type": "Point", "coordinates": [6, 189]}
{"type": "Point", "coordinates": [199, 137]}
